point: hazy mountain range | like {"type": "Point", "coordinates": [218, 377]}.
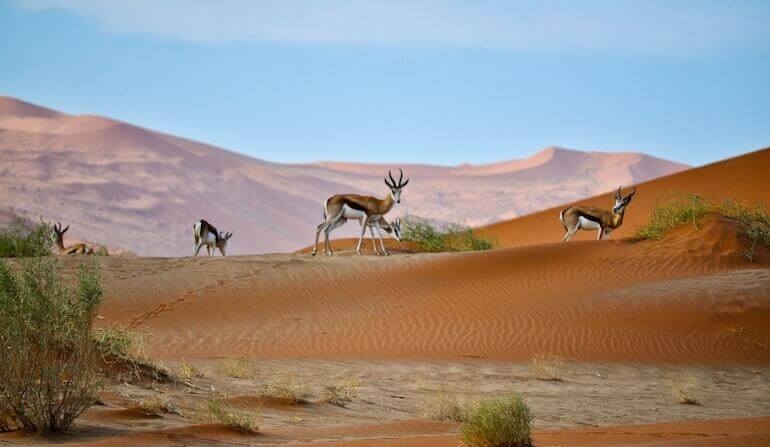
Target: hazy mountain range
{"type": "Point", "coordinates": [127, 186]}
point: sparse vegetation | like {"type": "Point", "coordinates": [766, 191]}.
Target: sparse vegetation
{"type": "Point", "coordinates": [685, 390]}
{"type": "Point", "coordinates": [444, 407]}
{"type": "Point", "coordinates": [156, 406]}
{"type": "Point", "coordinates": [450, 238]}
{"type": "Point", "coordinates": [187, 371]}
{"type": "Point", "coordinates": [22, 238]}
{"type": "Point", "coordinates": [545, 367]}
{"type": "Point", "coordinates": [287, 389]}
{"type": "Point", "coordinates": [101, 250]}
{"type": "Point", "coordinates": [122, 351]}
{"type": "Point", "coordinates": [235, 368]}
{"type": "Point", "coordinates": [342, 393]}
{"type": "Point", "coordinates": [753, 222]}
{"type": "Point", "coordinates": [498, 423]}
{"type": "Point", "coordinates": [238, 419]}
{"type": "Point", "coordinates": [48, 365]}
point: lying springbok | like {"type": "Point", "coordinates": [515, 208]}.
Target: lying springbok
{"type": "Point", "coordinates": [75, 249]}
{"type": "Point", "coordinates": [577, 218]}
{"type": "Point", "coordinates": [206, 234]}
{"type": "Point", "coordinates": [368, 210]}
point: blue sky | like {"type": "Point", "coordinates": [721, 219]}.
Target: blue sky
{"type": "Point", "coordinates": [441, 82]}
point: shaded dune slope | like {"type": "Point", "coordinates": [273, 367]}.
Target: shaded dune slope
{"type": "Point", "coordinates": [691, 297]}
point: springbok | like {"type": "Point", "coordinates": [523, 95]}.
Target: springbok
{"type": "Point", "coordinates": [577, 218]}
{"type": "Point", "coordinates": [368, 210]}
{"type": "Point", "coordinates": [206, 234]}
{"type": "Point", "coordinates": [75, 249]}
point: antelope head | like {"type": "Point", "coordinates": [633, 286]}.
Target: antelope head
{"type": "Point", "coordinates": [396, 186]}
{"type": "Point", "coordinates": [622, 201]}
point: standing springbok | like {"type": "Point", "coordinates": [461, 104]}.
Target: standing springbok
{"type": "Point", "coordinates": [340, 208]}
{"type": "Point", "coordinates": [577, 218]}
{"type": "Point", "coordinates": [206, 234]}
{"type": "Point", "coordinates": [75, 249]}
{"type": "Point", "coordinates": [393, 228]}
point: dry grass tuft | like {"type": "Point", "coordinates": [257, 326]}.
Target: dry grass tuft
{"type": "Point", "coordinates": [342, 393]}
{"type": "Point", "coordinates": [239, 419]}
{"type": "Point", "coordinates": [287, 389]}
{"type": "Point", "coordinates": [444, 406]}
{"type": "Point", "coordinates": [236, 368]}
{"type": "Point", "coordinates": [545, 367]}
{"type": "Point", "coordinates": [123, 352]}
{"type": "Point", "coordinates": [685, 390]}
{"type": "Point", "coordinates": [188, 372]}
{"type": "Point", "coordinates": [156, 406]}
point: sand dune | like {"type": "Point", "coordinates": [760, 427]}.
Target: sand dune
{"type": "Point", "coordinates": [140, 189]}
{"type": "Point", "coordinates": [743, 178]}
{"type": "Point", "coordinates": [692, 297]}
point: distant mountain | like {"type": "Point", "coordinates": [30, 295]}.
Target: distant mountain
{"type": "Point", "coordinates": [128, 186]}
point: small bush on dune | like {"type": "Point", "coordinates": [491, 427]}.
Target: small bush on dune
{"type": "Point", "coordinates": [235, 368]}
{"type": "Point", "coordinates": [188, 371]}
{"type": "Point", "coordinates": [685, 390]}
{"type": "Point", "coordinates": [498, 423]}
{"type": "Point", "coordinates": [48, 369]}
{"type": "Point", "coordinates": [342, 393]}
{"type": "Point", "coordinates": [548, 368]}
{"type": "Point", "coordinates": [753, 222]}
{"type": "Point", "coordinates": [286, 388]}
{"type": "Point", "coordinates": [444, 407]}
{"type": "Point", "coordinates": [22, 238]}
{"type": "Point", "coordinates": [238, 419]}
{"type": "Point", "coordinates": [450, 238]}
{"type": "Point", "coordinates": [121, 350]}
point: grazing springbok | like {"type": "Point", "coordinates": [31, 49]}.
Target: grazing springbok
{"type": "Point", "coordinates": [75, 249]}
{"type": "Point", "coordinates": [206, 234]}
{"type": "Point", "coordinates": [368, 210]}
{"type": "Point", "coordinates": [393, 228]}
{"type": "Point", "coordinates": [577, 218]}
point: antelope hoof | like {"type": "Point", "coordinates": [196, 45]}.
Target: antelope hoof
{"type": "Point", "coordinates": [387, 253]}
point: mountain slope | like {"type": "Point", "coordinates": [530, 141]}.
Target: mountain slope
{"type": "Point", "coordinates": [133, 187]}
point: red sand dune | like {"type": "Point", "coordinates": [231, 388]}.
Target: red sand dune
{"type": "Point", "coordinates": [691, 297]}
{"type": "Point", "coordinates": [745, 178]}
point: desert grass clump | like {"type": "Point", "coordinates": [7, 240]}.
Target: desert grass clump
{"type": "Point", "coordinates": [444, 406]}
{"type": "Point", "coordinates": [49, 371]}
{"type": "Point", "coordinates": [685, 390]}
{"type": "Point", "coordinates": [238, 419]}
{"type": "Point", "coordinates": [452, 237]}
{"type": "Point", "coordinates": [342, 393]}
{"type": "Point", "coordinates": [122, 352]}
{"type": "Point", "coordinates": [753, 222]}
{"type": "Point", "coordinates": [235, 368]}
{"type": "Point", "coordinates": [188, 372]}
{"type": "Point", "coordinates": [546, 367]}
{"type": "Point", "coordinates": [287, 389]}
{"type": "Point", "coordinates": [156, 406]}
{"type": "Point", "coordinates": [501, 422]}
{"type": "Point", "coordinates": [21, 238]}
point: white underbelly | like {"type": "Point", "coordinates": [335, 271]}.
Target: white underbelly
{"type": "Point", "coordinates": [352, 214]}
{"type": "Point", "coordinates": [211, 239]}
{"type": "Point", "coordinates": [587, 224]}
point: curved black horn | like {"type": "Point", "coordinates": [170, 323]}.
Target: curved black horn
{"type": "Point", "coordinates": [400, 177]}
{"type": "Point", "coordinates": [392, 180]}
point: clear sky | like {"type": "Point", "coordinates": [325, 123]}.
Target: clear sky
{"type": "Point", "coordinates": [441, 82]}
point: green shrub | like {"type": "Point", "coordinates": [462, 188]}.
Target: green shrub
{"type": "Point", "coordinates": [753, 222]}
{"type": "Point", "coordinates": [444, 407]}
{"type": "Point", "coordinates": [451, 238]}
{"type": "Point", "coordinates": [497, 423]}
{"type": "Point", "coordinates": [48, 366]}
{"type": "Point", "coordinates": [21, 238]}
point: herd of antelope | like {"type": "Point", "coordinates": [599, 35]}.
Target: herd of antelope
{"type": "Point", "coordinates": [370, 212]}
